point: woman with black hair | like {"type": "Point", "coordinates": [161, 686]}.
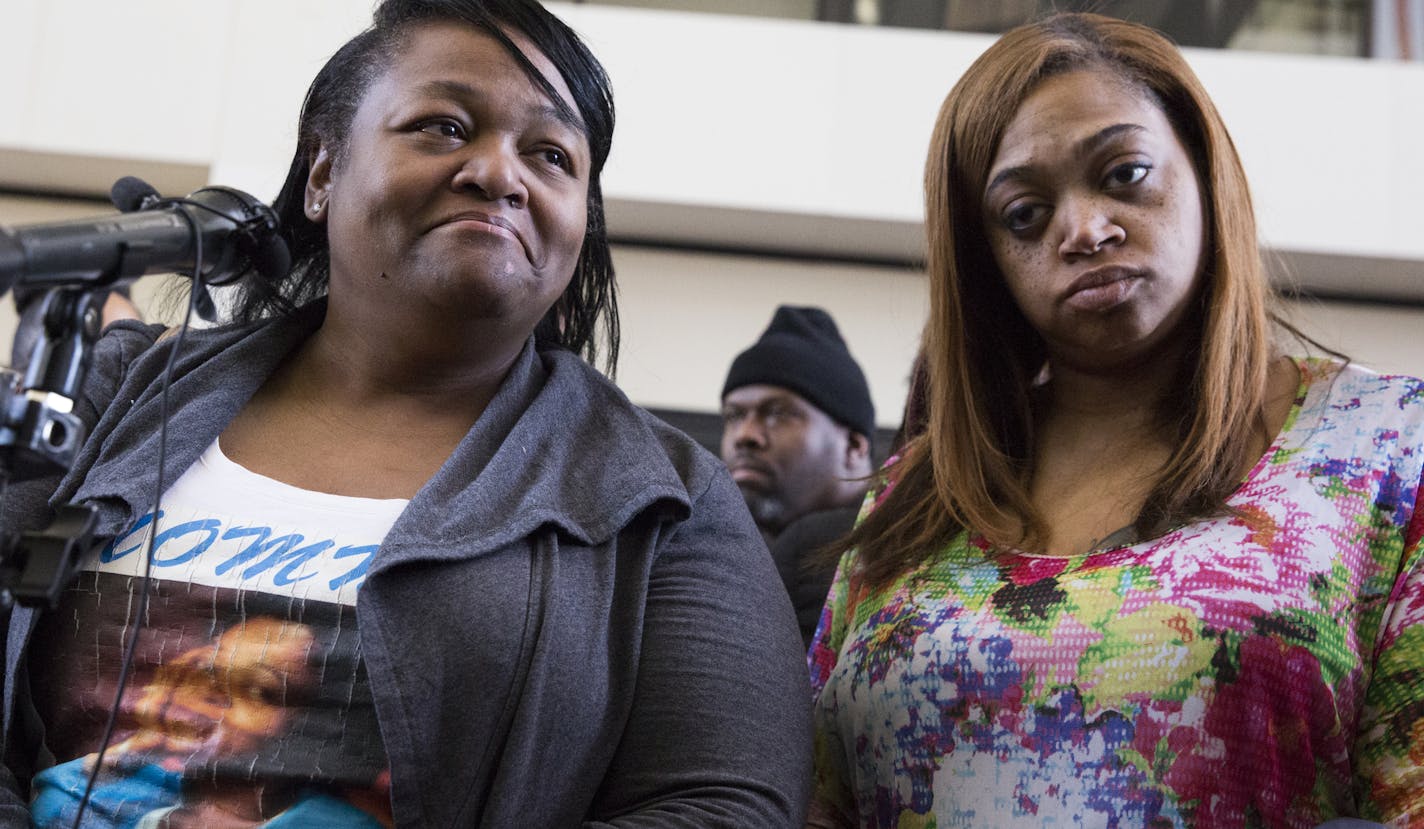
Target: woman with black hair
{"type": "Point", "coordinates": [418, 564]}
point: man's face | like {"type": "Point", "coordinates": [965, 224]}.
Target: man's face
{"type": "Point", "coordinates": [788, 457]}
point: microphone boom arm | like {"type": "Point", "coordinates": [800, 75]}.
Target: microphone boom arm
{"type": "Point", "coordinates": [217, 234]}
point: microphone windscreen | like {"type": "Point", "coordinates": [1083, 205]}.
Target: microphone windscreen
{"type": "Point", "coordinates": [271, 259]}
{"type": "Point", "coordinates": [130, 193]}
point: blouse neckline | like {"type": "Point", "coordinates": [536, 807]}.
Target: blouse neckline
{"type": "Point", "coordinates": [1309, 371]}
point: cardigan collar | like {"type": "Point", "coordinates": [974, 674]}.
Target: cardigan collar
{"type": "Point", "coordinates": [557, 445]}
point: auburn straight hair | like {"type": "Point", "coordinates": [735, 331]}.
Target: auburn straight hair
{"type": "Point", "coordinates": [972, 466]}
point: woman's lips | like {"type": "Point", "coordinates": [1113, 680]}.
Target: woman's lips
{"type": "Point", "coordinates": [490, 224]}
{"type": "Point", "coordinates": [1102, 289]}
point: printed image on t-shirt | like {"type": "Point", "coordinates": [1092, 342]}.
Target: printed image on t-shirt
{"type": "Point", "coordinates": [248, 713]}
{"type": "Point", "coordinates": [248, 703]}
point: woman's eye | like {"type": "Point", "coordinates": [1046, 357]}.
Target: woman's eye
{"type": "Point", "coordinates": [442, 129]}
{"type": "Point", "coordinates": [555, 156]}
{"type": "Point", "coordinates": [1024, 216]}
{"type": "Point", "coordinates": [1125, 175]}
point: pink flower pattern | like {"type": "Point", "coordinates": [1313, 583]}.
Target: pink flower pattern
{"type": "Point", "coordinates": [1264, 669]}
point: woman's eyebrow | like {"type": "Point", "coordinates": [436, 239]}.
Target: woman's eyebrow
{"type": "Point", "coordinates": [1084, 147]}
{"type": "Point", "coordinates": [1092, 143]}
{"type": "Point", "coordinates": [1008, 174]}
{"type": "Point", "coordinates": [548, 111]}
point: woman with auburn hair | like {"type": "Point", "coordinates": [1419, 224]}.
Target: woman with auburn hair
{"type": "Point", "coordinates": [1143, 568]}
{"type": "Point", "coordinates": [416, 562]}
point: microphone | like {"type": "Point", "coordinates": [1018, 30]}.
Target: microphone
{"type": "Point", "coordinates": [153, 235]}
{"type": "Point", "coordinates": [131, 193]}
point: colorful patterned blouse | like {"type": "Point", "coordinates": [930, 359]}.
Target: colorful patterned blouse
{"type": "Point", "coordinates": [1227, 674]}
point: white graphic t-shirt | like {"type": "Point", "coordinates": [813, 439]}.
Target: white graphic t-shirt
{"type": "Point", "coordinates": [248, 703]}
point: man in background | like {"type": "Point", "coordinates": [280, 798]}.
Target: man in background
{"type": "Point", "coordinates": [797, 419]}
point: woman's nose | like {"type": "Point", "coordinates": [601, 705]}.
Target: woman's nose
{"type": "Point", "coordinates": [494, 171]}
{"type": "Point", "coordinates": [1087, 226]}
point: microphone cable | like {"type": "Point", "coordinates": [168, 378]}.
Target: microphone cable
{"type": "Point", "coordinates": [185, 207]}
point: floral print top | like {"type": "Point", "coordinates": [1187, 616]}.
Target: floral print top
{"type": "Point", "coordinates": [1230, 673]}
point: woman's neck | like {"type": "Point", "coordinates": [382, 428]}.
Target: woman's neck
{"type": "Point", "coordinates": [1128, 396]}
{"type": "Point", "coordinates": [457, 363]}
{"type": "Point", "coordinates": [1098, 445]}
{"type": "Point", "coordinates": [365, 412]}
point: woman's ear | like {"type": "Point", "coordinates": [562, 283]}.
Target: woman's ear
{"type": "Point", "coordinates": [318, 192]}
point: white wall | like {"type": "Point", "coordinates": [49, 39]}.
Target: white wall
{"type": "Point", "coordinates": [791, 117]}
{"type": "Point", "coordinates": [1388, 340]}
{"type": "Point", "coordinates": [686, 315]}
{"type": "Point", "coordinates": [739, 132]}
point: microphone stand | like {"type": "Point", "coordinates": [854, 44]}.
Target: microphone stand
{"type": "Point", "coordinates": [40, 435]}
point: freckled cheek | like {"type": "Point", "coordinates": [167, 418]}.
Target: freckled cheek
{"type": "Point", "coordinates": [1179, 230]}
{"type": "Point", "coordinates": [1183, 215]}
{"type": "Point", "coordinates": [1023, 267]}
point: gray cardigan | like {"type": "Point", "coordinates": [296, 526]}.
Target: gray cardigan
{"type": "Point", "coordinates": [574, 622]}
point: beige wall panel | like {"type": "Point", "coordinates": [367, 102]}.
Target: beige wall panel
{"type": "Point", "coordinates": [687, 315]}
{"type": "Point", "coordinates": [1388, 339]}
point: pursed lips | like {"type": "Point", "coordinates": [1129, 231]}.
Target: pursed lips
{"type": "Point", "coordinates": [1101, 287]}
{"type": "Point", "coordinates": [497, 225]}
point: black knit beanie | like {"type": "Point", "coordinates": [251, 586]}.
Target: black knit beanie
{"type": "Point", "coordinates": [802, 350]}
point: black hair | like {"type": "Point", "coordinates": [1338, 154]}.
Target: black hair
{"type": "Point", "coordinates": [590, 300]}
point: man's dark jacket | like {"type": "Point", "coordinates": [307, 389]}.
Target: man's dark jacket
{"type": "Point", "coordinates": [806, 570]}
